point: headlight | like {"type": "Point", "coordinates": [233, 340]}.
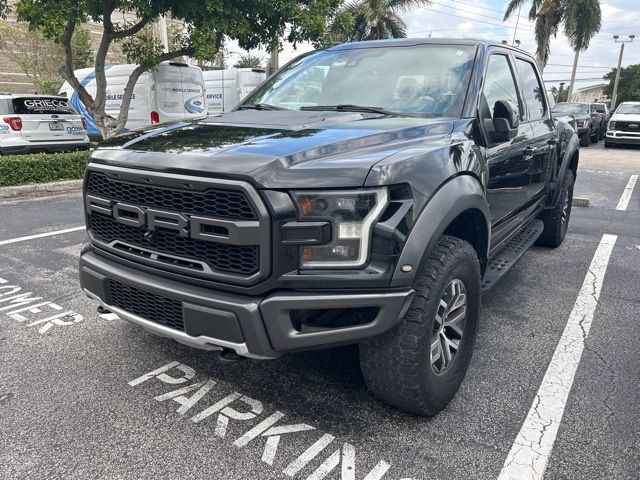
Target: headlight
{"type": "Point", "coordinates": [352, 214]}
{"type": "Point", "coordinates": [612, 125]}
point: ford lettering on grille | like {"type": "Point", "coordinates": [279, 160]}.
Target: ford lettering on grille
{"type": "Point", "coordinates": [235, 232]}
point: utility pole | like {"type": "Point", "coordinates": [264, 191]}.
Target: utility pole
{"type": "Point", "coordinates": [617, 39]}
{"type": "Point", "coordinates": [513, 42]}
{"type": "Point", "coordinates": [573, 75]}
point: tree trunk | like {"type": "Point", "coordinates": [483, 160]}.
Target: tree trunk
{"type": "Point", "coordinates": [541, 53]}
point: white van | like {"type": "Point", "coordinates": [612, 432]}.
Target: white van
{"type": "Point", "coordinates": [171, 93]}
{"type": "Point", "coordinates": [226, 88]}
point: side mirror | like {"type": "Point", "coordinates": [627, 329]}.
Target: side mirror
{"type": "Point", "coordinates": [505, 122]}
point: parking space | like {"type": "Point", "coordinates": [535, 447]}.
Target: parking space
{"type": "Point", "coordinates": [84, 396]}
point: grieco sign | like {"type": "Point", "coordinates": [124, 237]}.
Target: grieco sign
{"type": "Point", "coordinates": [47, 104]}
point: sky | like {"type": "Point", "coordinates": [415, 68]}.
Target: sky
{"type": "Point", "coordinates": [483, 19]}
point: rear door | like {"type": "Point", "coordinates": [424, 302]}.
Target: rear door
{"type": "Point", "coordinates": [192, 84]}
{"type": "Point", "coordinates": [545, 135]}
{"type": "Point", "coordinates": [48, 119]}
{"type": "Point", "coordinates": [180, 92]}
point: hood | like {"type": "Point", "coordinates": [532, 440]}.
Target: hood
{"type": "Point", "coordinates": [274, 149]}
{"type": "Point", "coordinates": [626, 117]}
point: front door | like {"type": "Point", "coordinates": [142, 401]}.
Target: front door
{"type": "Point", "coordinates": [509, 162]}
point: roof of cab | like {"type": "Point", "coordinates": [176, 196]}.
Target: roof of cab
{"type": "Point", "coordinates": [407, 42]}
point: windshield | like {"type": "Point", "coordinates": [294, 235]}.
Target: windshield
{"type": "Point", "coordinates": [420, 80]}
{"type": "Point", "coordinates": [629, 108]}
{"type": "Point", "coordinates": [571, 108]}
{"type": "Point", "coordinates": [42, 105]}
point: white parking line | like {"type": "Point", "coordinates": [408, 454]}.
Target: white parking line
{"type": "Point", "coordinates": [626, 195]}
{"type": "Point", "coordinates": [40, 235]}
{"type": "Point", "coordinates": [528, 457]}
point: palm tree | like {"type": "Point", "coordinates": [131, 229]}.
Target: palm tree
{"type": "Point", "coordinates": [377, 19]}
{"type": "Point", "coordinates": [581, 20]}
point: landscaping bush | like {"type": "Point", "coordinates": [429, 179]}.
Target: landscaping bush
{"type": "Point", "coordinates": [42, 167]}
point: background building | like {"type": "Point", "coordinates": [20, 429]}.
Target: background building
{"type": "Point", "coordinates": [593, 93]}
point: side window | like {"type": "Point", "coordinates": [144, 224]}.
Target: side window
{"type": "Point", "coordinates": [499, 83]}
{"type": "Point", "coordinates": [532, 91]}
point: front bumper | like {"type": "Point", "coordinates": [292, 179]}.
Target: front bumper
{"type": "Point", "coordinates": [614, 136]}
{"type": "Point", "coordinates": [252, 326]}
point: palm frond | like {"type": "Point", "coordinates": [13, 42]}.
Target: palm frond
{"type": "Point", "coordinates": [512, 7]}
{"type": "Point", "coordinates": [582, 20]}
{"type": "Point", "coordinates": [400, 6]}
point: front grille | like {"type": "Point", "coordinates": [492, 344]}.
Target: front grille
{"type": "Point", "coordinates": [234, 202]}
{"type": "Point", "coordinates": [235, 259]}
{"type": "Point", "coordinates": [213, 202]}
{"type": "Point", "coordinates": [626, 126]}
{"type": "Point", "coordinates": [152, 307]}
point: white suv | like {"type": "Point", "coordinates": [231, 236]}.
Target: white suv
{"type": "Point", "coordinates": [624, 126]}
{"type": "Point", "coordinates": [40, 123]}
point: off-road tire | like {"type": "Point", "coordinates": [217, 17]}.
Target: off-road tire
{"type": "Point", "coordinates": [555, 220]}
{"type": "Point", "coordinates": [397, 366]}
{"type": "Point", "coordinates": [608, 144]}
{"type": "Point", "coordinates": [601, 134]}
{"type": "Point", "coordinates": [585, 140]}
{"type": "Point", "coordinates": [595, 138]}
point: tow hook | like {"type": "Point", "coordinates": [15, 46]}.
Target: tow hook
{"type": "Point", "coordinates": [229, 355]}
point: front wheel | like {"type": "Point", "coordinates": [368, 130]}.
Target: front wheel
{"type": "Point", "coordinates": [556, 220]}
{"type": "Point", "coordinates": [419, 365]}
{"type": "Point", "coordinates": [585, 140]}
{"type": "Point", "coordinates": [608, 144]}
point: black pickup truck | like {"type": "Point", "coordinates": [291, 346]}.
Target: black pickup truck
{"type": "Point", "coordinates": [367, 193]}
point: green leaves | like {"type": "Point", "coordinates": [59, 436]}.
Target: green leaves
{"type": "Point", "coordinates": [629, 85]}
{"type": "Point", "coordinates": [42, 167]}
{"type": "Point", "coordinates": [370, 20]}
{"type": "Point", "coordinates": [204, 25]}
{"type": "Point", "coordinates": [582, 19]}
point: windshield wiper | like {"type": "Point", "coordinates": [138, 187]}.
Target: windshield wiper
{"type": "Point", "coordinates": [349, 108]}
{"type": "Point", "coordinates": [260, 106]}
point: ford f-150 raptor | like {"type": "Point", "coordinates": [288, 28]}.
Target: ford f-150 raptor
{"type": "Point", "coordinates": [366, 193]}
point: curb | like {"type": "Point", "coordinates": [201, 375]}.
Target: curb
{"type": "Point", "coordinates": [581, 202]}
{"type": "Point", "coordinates": [40, 188]}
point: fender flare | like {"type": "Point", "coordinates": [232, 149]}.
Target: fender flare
{"type": "Point", "coordinates": [458, 195]}
{"type": "Point", "coordinates": [573, 146]}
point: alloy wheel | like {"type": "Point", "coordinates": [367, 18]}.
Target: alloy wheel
{"type": "Point", "coordinates": [448, 328]}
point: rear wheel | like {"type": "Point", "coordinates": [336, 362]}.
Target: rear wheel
{"type": "Point", "coordinates": [420, 365]}
{"type": "Point", "coordinates": [585, 140]}
{"type": "Point", "coordinates": [556, 220]}
{"type": "Point", "coordinates": [595, 137]}
{"type": "Point", "coordinates": [601, 134]}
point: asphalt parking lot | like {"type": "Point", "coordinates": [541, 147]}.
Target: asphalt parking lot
{"type": "Point", "coordinates": [75, 401]}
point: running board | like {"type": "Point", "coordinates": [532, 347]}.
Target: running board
{"type": "Point", "coordinates": [511, 253]}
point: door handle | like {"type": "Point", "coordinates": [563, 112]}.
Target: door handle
{"type": "Point", "coordinates": [530, 150]}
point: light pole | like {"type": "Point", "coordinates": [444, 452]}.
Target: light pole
{"type": "Point", "coordinates": [617, 39]}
